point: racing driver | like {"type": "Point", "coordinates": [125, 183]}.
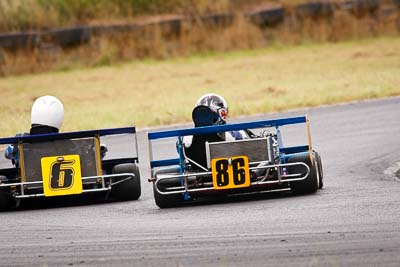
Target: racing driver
{"type": "Point", "coordinates": [47, 115]}
{"type": "Point", "coordinates": [210, 109]}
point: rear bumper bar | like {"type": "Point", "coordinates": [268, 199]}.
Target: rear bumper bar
{"type": "Point", "coordinates": [184, 188]}
{"type": "Point", "coordinates": [20, 192]}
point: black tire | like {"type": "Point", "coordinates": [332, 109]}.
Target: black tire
{"type": "Point", "coordinates": [167, 201]}
{"type": "Point", "coordinates": [6, 201]}
{"type": "Point", "coordinates": [128, 190]}
{"type": "Point", "coordinates": [267, 17]}
{"type": "Point", "coordinates": [311, 183]}
{"type": "Point", "coordinates": [67, 37]}
{"type": "Point", "coordinates": [219, 20]}
{"type": "Point", "coordinates": [314, 10]}
{"type": "Point", "coordinates": [21, 40]}
{"type": "Point", "coordinates": [320, 170]}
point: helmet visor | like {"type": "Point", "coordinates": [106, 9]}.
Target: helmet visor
{"type": "Point", "coordinates": [223, 113]}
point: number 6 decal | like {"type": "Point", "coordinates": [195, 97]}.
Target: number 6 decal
{"type": "Point", "coordinates": [239, 171]}
{"type": "Point", "coordinates": [61, 175]}
{"type": "Point", "coordinates": [230, 173]}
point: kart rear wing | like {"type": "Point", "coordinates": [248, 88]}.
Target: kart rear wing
{"type": "Point", "coordinates": [66, 135]}
{"type": "Point", "coordinates": [230, 127]}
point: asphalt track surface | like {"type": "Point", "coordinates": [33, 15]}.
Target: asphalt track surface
{"type": "Point", "coordinates": [353, 221]}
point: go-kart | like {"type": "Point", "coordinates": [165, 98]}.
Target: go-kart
{"type": "Point", "coordinates": [62, 164]}
{"type": "Point", "coordinates": [258, 163]}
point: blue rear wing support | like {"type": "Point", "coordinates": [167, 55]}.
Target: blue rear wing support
{"type": "Point", "coordinates": [223, 128]}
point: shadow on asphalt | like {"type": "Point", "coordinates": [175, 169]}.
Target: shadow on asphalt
{"type": "Point", "coordinates": [62, 202]}
{"type": "Point", "coordinates": [248, 197]}
{"type": "Point", "coordinates": [100, 199]}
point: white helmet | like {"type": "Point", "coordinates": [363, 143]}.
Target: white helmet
{"type": "Point", "coordinates": [217, 104]}
{"type": "Point", "coordinates": [48, 111]}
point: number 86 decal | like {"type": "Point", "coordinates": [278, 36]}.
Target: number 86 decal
{"type": "Point", "coordinates": [230, 172]}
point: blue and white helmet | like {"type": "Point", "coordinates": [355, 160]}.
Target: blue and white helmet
{"type": "Point", "coordinates": [217, 104]}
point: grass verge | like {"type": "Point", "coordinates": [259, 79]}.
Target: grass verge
{"type": "Point", "coordinates": [194, 36]}
{"type": "Point", "coordinates": [20, 15]}
{"type": "Point", "coordinates": [151, 93]}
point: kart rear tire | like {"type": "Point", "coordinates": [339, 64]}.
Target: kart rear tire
{"type": "Point", "coordinates": [128, 190]}
{"type": "Point", "coordinates": [167, 201]}
{"type": "Point", "coordinates": [6, 201]}
{"type": "Point", "coordinates": [311, 183]}
{"type": "Point", "coordinates": [320, 170]}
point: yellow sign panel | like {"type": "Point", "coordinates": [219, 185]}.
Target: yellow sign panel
{"type": "Point", "coordinates": [228, 173]}
{"type": "Point", "coordinates": [61, 175]}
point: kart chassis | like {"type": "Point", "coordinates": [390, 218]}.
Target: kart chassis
{"type": "Point", "coordinates": [23, 186]}
{"type": "Point", "coordinates": [276, 161]}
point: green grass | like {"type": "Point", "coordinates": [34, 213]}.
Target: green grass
{"type": "Point", "coordinates": [151, 93]}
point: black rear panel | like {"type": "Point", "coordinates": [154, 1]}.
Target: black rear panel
{"type": "Point", "coordinates": [33, 152]}
{"type": "Point", "coordinates": [254, 149]}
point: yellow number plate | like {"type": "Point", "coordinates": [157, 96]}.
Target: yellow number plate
{"type": "Point", "coordinates": [61, 175]}
{"type": "Point", "coordinates": [230, 173]}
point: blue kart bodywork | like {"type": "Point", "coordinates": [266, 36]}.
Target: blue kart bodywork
{"type": "Point", "coordinates": [293, 167]}
{"type": "Point", "coordinates": [93, 171]}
